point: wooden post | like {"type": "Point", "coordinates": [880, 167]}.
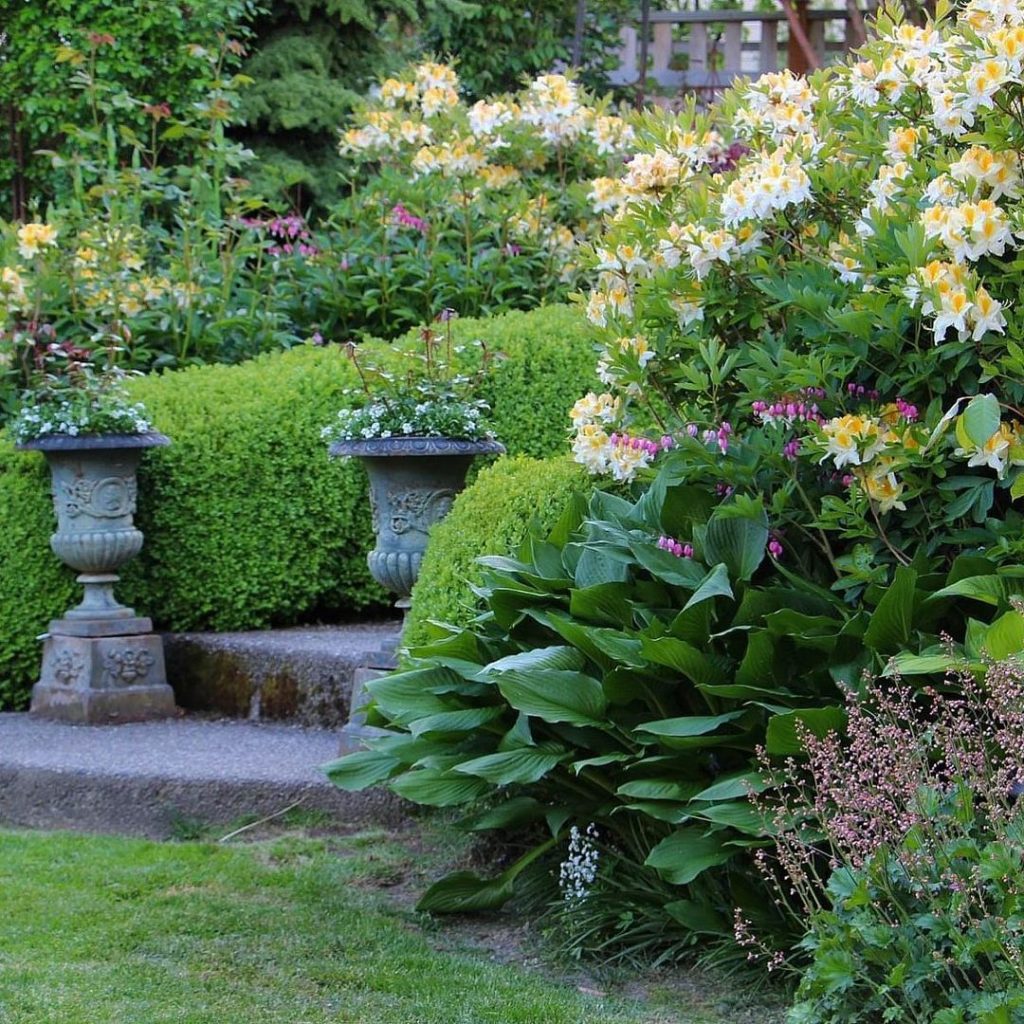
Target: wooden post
{"type": "Point", "coordinates": [801, 57]}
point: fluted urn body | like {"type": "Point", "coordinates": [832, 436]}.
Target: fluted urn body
{"type": "Point", "coordinates": [413, 482]}
{"type": "Point", "coordinates": [101, 661]}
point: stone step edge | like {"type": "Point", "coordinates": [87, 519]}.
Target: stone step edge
{"type": "Point", "coordinates": [158, 807]}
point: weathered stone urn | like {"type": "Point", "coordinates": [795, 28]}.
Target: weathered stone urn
{"type": "Point", "coordinates": [101, 661]}
{"type": "Point", "coordinates": [413, 482]}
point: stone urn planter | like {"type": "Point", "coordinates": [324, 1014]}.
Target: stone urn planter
{"type": "Point", "coordinates": [413, 482]}
{"type": "Point", "coordinates": [101, 661]}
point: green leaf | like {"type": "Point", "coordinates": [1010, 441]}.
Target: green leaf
{"type": "Point", "coordinates": [981, 418]}
{"type": "Point", "coordinates": [677, 572]}
{"type": "Point", "coordinates": [992, 590]}
{"type": "Point", "coordinates": [891, 622]}
{"type": "Point", "coordinates": [362, 769]}
{"type": "Point", "coordinates": [555, 696]}
{"type": "Point", "coordinates": [715, 584]}
{"type": "Point", "coordinates": [1005, 637]}
{"type": "Point", "coordinates": [463, 892]}
{"type": "Point", "coordinates": [737, 541]}
{"type": "Point", "coordinates": [525, 765]}
{"type": "Point", "coordinates": [520, 810]}
{"type": "Point", "coordinates": [693, 725]}
{"type": "Point", "coordinates": [437, 787]}
{"type": "Point", "coordinates": [783, 735]}
{"type": "Point", "coordinates": [462, 720]}
{"type": "Point", "coordinates": [659, 789]}
{"type": "Point", "coordinates": [732, 787]}
{"type": "Point", "coordinates": [686, 854]}
{"type": "Point", "coordinates": [606, 603]}
{"type": "Point", "coordinates": [538, 658]}
{"type": "Point", "coordinates": [738, 814]}
{"type": "Point", "coordinates": [681, 656]}
{"type": "Point", "coordinates": [697, 917]}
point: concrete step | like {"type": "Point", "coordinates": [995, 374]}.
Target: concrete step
{"type": "Point", "coordinates": [302, 675]}
{"type": "Point", "coordinates": [148, 778]}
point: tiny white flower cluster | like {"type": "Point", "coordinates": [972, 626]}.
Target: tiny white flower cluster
{"type": "Point", "coordinates": [578, 871]}
{"type": "Point", "coordinates": [74, 418]}
{"type": "Point", "coordinates": [405, 417]}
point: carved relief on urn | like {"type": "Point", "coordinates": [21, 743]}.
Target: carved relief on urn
{"type": "Point", "coordinates": [413, 482]}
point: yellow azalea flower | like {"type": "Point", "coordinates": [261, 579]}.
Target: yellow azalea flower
{"type": "Point", "coordinates": [32, 238]}
{"type": "Point", "coordinates": [883, 487]}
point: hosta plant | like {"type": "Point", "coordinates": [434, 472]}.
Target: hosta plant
{"type": "Point", "coordinates": [623, 673]}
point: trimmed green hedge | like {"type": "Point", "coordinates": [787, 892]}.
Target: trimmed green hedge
{"type": "Point", "coordinates": [491, 517]}
{"type": "Point", "coordinates": [248, 523]}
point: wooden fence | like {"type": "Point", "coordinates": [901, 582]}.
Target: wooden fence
{"type": "Point", "coordinates": [706, 50]}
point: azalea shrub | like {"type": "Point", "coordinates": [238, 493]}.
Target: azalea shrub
{"type": "Point", "coordinates": [475, 206]}
{"type": "Point", "coordinates": [824, 274]}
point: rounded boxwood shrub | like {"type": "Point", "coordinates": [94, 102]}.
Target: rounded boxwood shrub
{"type": "Point", "coordinates": [492, 517]}
{"type": "Point", "coordinates": [248, 523]}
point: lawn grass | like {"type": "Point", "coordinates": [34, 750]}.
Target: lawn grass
{"type": "Point", "coordinates": [290, 930]}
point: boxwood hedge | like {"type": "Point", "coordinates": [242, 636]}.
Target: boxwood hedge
{"type": "Point", "coordinates": [248, 522]}
{"type": "Point", "coordinates": [492, 517]}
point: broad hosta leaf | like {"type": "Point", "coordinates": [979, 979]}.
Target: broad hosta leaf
{"type": "Point", "coordinates": [758, 665]}
{"type": "Point", "coordinates": [538, 658]}
{"type": "Point", "coordinates": [783, 733]}
{"type": "Point", "coordinates": [738, 814]}
{"type": "Point", "coordinates": [686, 854]}
{"type": "Point", "coordinates": [438, 788]}
{"type": "Point", "coordinates": [1005, 637]}
{"type": "Point", "coordinates": [606, 603]}
{"type": "Point", "coordinates": [908, 664]}
{"type": "Point", "coordinates": [659, 789]}
{"type": "Point", "coordinates": [360, 770]}
{"type": "Point", "coordinates": [528, 764]}
{"type": "Point", "coordinates": [683, 657]}
{"type": "Point", "coordinates": [462, 720]}
{"type": "Point", "coordinates": [698, 917]}
{"type": "Point", "coordinates": [715, 584]}
{"type": "Point", "coordinates": [463, 892]}
{"type": "Point", "coordinates": [520, 810]}
{"type": "Point", "coordinates": [733, 787]}
{"type": "Point", "coordinates": [737, 541]}
{"type": "Point", "coordinates": [993, 590]}
{"type": "Point", "coordinates": [693, 725]}
{"type": "Point", "coordinates": [677, 572]}
{"type": "Point", "coordinates": [892, 621]}
{"type": "Point", "coordinates": [555, 696]}
{"type": "Point", "coordinates": [600, 761]}
{"type": "Point", "coordinates": [406, 696]}
{"type": "Point", "coordinates": [595, 567]}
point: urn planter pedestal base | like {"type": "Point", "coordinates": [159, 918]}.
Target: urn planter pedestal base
{"type": "Point", "coordinates": [102, 679]}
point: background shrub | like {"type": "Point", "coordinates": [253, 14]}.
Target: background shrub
{"type": "Point", "coordinates": [492, 517]}
{"type": "Point", "coordinates": [248, 522]}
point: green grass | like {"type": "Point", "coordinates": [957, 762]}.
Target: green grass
{"type": "Point", "coordinates": [292, 929]}
{"type": "Point", "coordinates": [97, 930]}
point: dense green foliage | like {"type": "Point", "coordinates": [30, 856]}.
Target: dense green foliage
{"type": "Point", "coordinates": [616, 682]}
{"type": "Point", "coordinates": [58, 57]}
{"type": "Point", "coordinates": [493, 515]}
{"type": "Point", "coordinates": [247, 520]}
